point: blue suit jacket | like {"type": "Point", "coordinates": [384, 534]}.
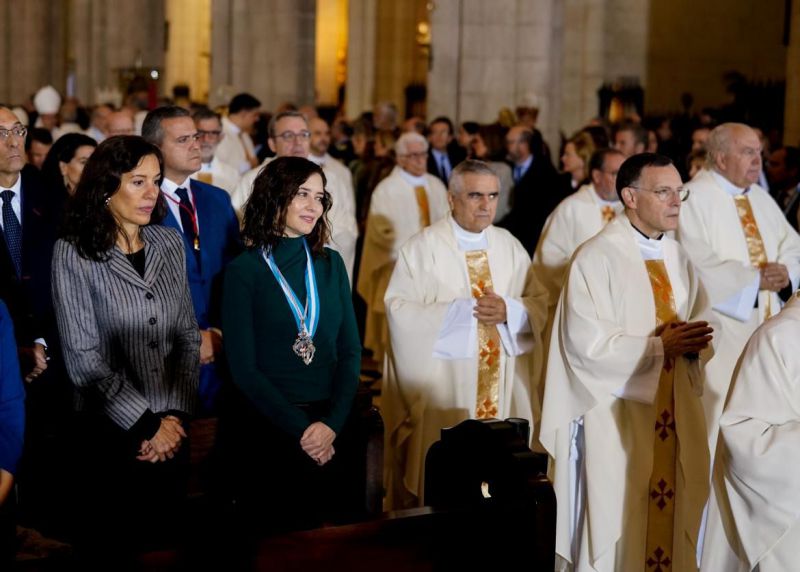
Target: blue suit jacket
{"type": "Point", "coordinates": [219, 244]}
{"type": "Point", "coordinates": [12, 396]}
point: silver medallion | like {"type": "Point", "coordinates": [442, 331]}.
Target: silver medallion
{"type": "Point", "coordinates": [304, 347]}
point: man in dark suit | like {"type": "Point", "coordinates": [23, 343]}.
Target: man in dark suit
{"type": "Point", "coordinates": [26, 249]}
{"type": "Point", "coordinates": [204, 215]}
{"type": "Point", "coordinates": [443, 154]}
{"type": "Point", "coordinates": [536, 191]}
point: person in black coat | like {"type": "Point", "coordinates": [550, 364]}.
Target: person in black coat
{"type": "Point", "coordinates": [26, 248]}
{"type": "Point", "coordinates": [537, 189]}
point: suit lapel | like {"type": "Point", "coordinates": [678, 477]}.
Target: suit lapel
{"type": "Point", "coordinates": [153, 260]}
{"type": "Point", "coordinates": [122, 267]}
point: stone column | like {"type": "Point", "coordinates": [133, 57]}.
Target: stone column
{"type": "Point", "coordinates": [360, 90]}
{"type": "Point", "coordinates": [265, 48]}
{"type": "Point", "coordinates": [791, 134]}
{"type": "Point", "coordinates": [31, 48]}
{"type": "Point", "coordinates": [106, 36]}
{"type": "Point", "coordinates": [490, 55]}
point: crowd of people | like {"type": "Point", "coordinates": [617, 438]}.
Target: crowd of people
{"type": "Point", "coordinates": [180, 262]}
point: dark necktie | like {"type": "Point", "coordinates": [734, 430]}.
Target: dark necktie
{"type": "Point", "coordinates": [12, 231]}
{"type": "Point", "coordinates": [188, 218]}
{"type": "Point", "coordinates": [443, 167]}
{"type": "Point", "coordinates": [517, 173]}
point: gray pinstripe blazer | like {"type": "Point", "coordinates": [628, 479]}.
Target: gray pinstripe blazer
{"type": "Point", "coordinates": [129, 343]}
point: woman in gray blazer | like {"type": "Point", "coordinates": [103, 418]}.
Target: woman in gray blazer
{"type": "Point", "coordinates": [131, 348]}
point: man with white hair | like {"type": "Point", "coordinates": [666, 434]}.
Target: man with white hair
{"type": "Point", "coordinates": [403, 203]}
{"type": "Point", "coordinates": [462, 320]}
{"type": "Point", "coordinates": [747, 254]}
{"type": "Point", "coordinates": [289, 137]}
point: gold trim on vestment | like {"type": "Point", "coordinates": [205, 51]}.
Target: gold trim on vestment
{"type": "Point", "coordinates": [480, 278]}
{"type": "Point", "coordinates": [755, 244]}
{"type": "Point", "coordinates": [662, 492]}
{"type": "Point", "coordinates": [422, 203]}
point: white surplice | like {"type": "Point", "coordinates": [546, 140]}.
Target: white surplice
{"type": "Point", "coordinates": [393, 218]}
{"type": "Point", "coordinates": [598, 415]}
{"type": "Point", "coordinates": [222, 174]}
{"type": "Point", "coordinates": [431, 382]}
{"type": "Point", "coordinates": [341, 216]}
{"type": "Point", "coordinates": [575, 220]}
{"type": "Point", "coordinates": [711, 232]}
{"type": "Point", "coordinates": [754, 515]}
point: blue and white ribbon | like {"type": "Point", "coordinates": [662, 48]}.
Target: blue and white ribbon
{"type": "Point", "coordinates": [306, 318]}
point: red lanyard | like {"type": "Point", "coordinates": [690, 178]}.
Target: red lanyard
{"type": "Point", "coordinates": [192, 215]}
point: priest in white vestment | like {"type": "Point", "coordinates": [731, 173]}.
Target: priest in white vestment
{"type": "Point", "coordinates": [463, 335]}
{"type": "Point", "coordinates": [747, 254]}
{"type": "Point", "coordinates": [576, 219]}
{"type": "Point", "coordinates": [622, 416]}
{"type": "Point", "coordinates": [754, 516]}
{"type": "Point", "coordinates": [289, 137]}
{"type": "Point", "coordinates": [403, 203]}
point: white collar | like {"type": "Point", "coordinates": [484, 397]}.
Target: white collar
{"type": "Point", "coordinates": [232, 127]}
{"type": "Point", "coordinates": [468, 240]}
{"type": "Point", "coordinates": [601, 201]}
{"type": "Point", "coordinates": [413, 180]}
{"type": "Point", "coordinates": [170, 187]}
{"type": "Point", "coordinates": [650, 248]}
{"type": "Point", "coordinates": [726, 185]}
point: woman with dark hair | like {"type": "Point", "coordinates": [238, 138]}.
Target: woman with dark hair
{"type": "Point", "coordinates": [65, 161]}
{"type": "Point", "coordinates": [131, 347]}
{"type": "Point", "coordinates": [294, 353]}
{"type": "Point", "coordinates": [63, 166]}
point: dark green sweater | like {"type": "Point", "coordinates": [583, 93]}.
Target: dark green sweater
{"type": "Point", "coordinates": [260, 330]}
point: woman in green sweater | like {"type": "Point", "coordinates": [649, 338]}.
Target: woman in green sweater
{"type": "Point", "coordinates": [293, 349]}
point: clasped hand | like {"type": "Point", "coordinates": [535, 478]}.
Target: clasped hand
{"type": "Point", "coordinates": [490, 308]}
{"type": "Point", "coordinates": [317, 442]}
{"type": "Point", "coordinates": [680, 338]}
{"type": "Point", "coordinates": [774, 277]}
{"type": "Point", "coordinates": [165, 443]}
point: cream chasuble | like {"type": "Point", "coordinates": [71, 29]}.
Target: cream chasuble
{"type": "Point", "coordinates": [443, 367]}
{"type": "Point", "coordinates": [728, 235]}
{"type": "Point", "coordinates": [754, 514]}
{"type": "Point", "coordinates": [399, 208]}
{"type": "Point", "coordinates": [607, 390]}
{"type": "Point", "coordinates": [576, 219]}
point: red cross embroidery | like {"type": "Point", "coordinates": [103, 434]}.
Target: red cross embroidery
{"type": "Point", "coordinates": [665, 424]}
{"type": "Point", "coordinates": [663, 494]}
{"type": "Point", "coordinates": [661, 562]}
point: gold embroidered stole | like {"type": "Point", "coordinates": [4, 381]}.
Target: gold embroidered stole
{"type": "Point", "coordinates": [422, 203]}
{"type": "Point", "coordinates": [480, 278]}
{"type": "Point", "coordinates": [608, 213]}
{"type": "Point", "coordinates": [661, 501]}
{"type": "Point", "coordinates": [755, 245]}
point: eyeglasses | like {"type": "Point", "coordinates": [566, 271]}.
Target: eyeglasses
{"type": "Point", "coordinates": [203, 133]}
{"type": "Point", "coordinates": [417, 155]}
{"type": "Point", "coordinates": [663, 194]}
{"type": "Point", "coordinates": [612, 173]}
{"type": "Point", "coordinates": [188, 139]}
{"type": "Point", "coordinates": [291, 136]}
{"type": "Point", "coordinates": [20, 131]}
